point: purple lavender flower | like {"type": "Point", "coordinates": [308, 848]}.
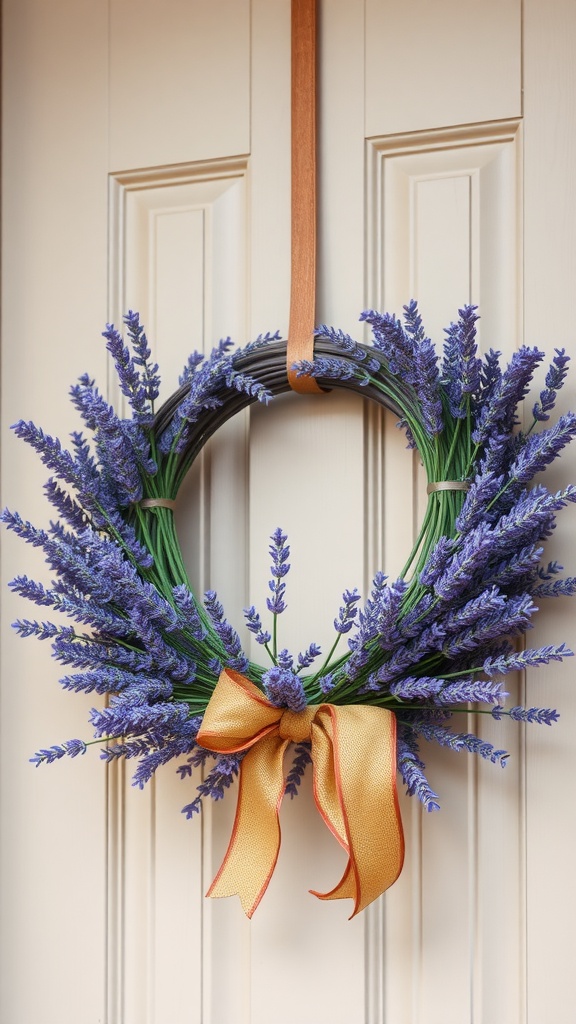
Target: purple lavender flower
{"type": "Point", "coordinates": [156, 758]}
{"type": "Point", "coordinates": [412, 621]}
{"type": "Point", "coordinates": [86, 612]}
{"type": "Point", "coordinates": [428, 387]}
{"type": "Point", "coordinates": [519, 660]}
{"type": "Point", "coordinates": [208, 382]}
{"type": "Point", "coordinates": [461, 367]}
{"type": "Point", "coordinates": [382, 611]}
{"type": "Point", "coordinates": [411, 768]}
{"type": "Point", "coordinates": [482, 492]}
{"type": "Point", "coordinates": [262, 340]}
{"type": "Point", "coordinates": [285, 659]}
{"type": "Point", "coordinates": [462, 741]}
{"type": "Point", "coordinates": [412, 688]}
{"type": "Point", "coordinates": [138, 747]}
{"type": "Point", "coordinates": [514, 573]}
{"type": "Point", "coordinates": [497, 413]}
{"type": "Point", "coordinates": [280, 553]}
{"type": "Point", "coordinates": [560, 588]}
{"type": "Point", "coordinates": [83, 651]}
{"type": "Point", "coordinates": [490, 375]}
{"type": "Point", "coordinates": [490, 601]}
{"type": "Point", "coordinates": [348, 611]}
{"type": "Point", "coordinates": [540, 450]}
{"type": "Point", "coordinates": [426, 377]}
{"type": "Point", "coordinates": [187, 608]}
{"type": "Point", "coordinates": [215, 784]}
{"type": "Point", "coordinates": [348, 345]}
{"type": "Point", "coordinates": [41, 630]}
{"type": "Point", "coordinates": [248, 385]}
{"type": "Point", "coordinates": [194, 360]}
{"type": "Point", "coordinates": [391, 339]}
{"type": "Point", "coordinates": [546, 572]}
{"type": "Point", "coordinates": [235, 656]}
{"type": "Point", "coordinates": [332, 368]}
{"type": "Point", "coordinates": [102, 680]}
{"type": "Point", "coordinates": [70, 748]}
{"type": "Point", "coordinates": [139, 386]}
{"type": "Point", "coordinates": [254, 624]}
{"type": "Point", "coordinates": [531, 519]}
{"type": "Point", "coordinates": [123, 450]}
{"type": "Point", "coordinates": [403, 424]}
{"type": "Point", "coordinates": [197, 759]}
{"type": "Point", "coordinates": [541, 716]}
{"type": "Point", "coordinates": [23, 528]}
{"type": "Point", "coordinates": [554, 381]}
{"type": "Point", "coordinates": [130, 714]}
{"type": "Point", "coordinates": [305, 658]}
{"type": "Point", "coordinates": [498, 452]}
{"type": "Point", "coordinates": [284, 689]}
{"type": "Point", "coordinates": [300, 762]}
{"type": "Point", "coordinates": [475, 550]}
{"type": "Point", "coordinates": [511, 619]}
{"type": "Point", "coordinates": [69, 510]}
{"type": "Point", "coordinates": [470, 690]}
{"type": "Point", "coordinates": [50, 451]}
{"type": "Point", "coordinates": [437, 561]}
{"type": "Point", "coordinates": [149, 371]}
{"type": "Point", "coordinates": [327, 683]}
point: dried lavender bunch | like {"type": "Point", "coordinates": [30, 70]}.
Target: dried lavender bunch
{"type": "Point", "coordinates": [426, 646]}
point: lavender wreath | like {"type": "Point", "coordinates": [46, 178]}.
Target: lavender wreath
{"type": "Point", "coordinates": [425, 646]}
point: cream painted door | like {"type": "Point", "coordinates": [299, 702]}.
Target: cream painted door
{"type": "Point", "coordinates": [146, 165]}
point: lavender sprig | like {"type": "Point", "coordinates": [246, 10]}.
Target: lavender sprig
{"type": "Point", "coordinates": [411, 768]}
{"type": "Point", "coordinates": [542, 716]}
{"type": "Point", "coordinates": [461, 366]}
{"type": "Point", "coordinates": [498, 413]}
{"type": "Point", "coordinates": [520, 660]}
{"type": "Point", "coordinates": [231, 642]}
{"type": "Point", "coordinates": [300, 762]}
{"type": "Point", "coordinates": [279, 553]}
{"type": "Point", "coordinates": [70, 748]}
{"type": "Point", "coordinates": [554, 380]}
{"type": "Point", "coordinates": [138, 378]}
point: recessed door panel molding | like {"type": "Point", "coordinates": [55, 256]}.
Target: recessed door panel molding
{"type": "Point", "coordinates": [443, 216]}
{"type": "Point", "coordinates": [178, 255]}
{"type": "Point", "coordinates": [443, 226]}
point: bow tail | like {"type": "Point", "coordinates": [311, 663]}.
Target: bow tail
{"type": "Point", "coordinates": [355, 791]}
{"type": "Point", "coordinates": [248, 865]}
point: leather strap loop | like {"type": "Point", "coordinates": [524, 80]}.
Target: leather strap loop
{"type": "Point", "coordinates": [303, 267]}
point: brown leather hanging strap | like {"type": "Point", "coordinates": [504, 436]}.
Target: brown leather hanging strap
{"type": "Point", "coordinates": [303, 282]}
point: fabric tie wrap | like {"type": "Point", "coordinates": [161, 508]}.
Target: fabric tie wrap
{"type": "Point", "coordinates": [353, 749]}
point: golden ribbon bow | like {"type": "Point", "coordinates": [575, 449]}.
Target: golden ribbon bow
{"type": "Point", "coordinates": [354, 772]}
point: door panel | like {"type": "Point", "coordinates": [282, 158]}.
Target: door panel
{"type": "Point", "coordinates": [179, 81]}
{"type": "Point", "coordinates": [428, 66]}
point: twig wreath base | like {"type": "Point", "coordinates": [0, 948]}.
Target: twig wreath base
{"type": "Point", "coordinates": [421, 649]}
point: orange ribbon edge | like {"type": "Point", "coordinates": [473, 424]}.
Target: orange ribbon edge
{"type": "Point", "coordinates": [353, 749]}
